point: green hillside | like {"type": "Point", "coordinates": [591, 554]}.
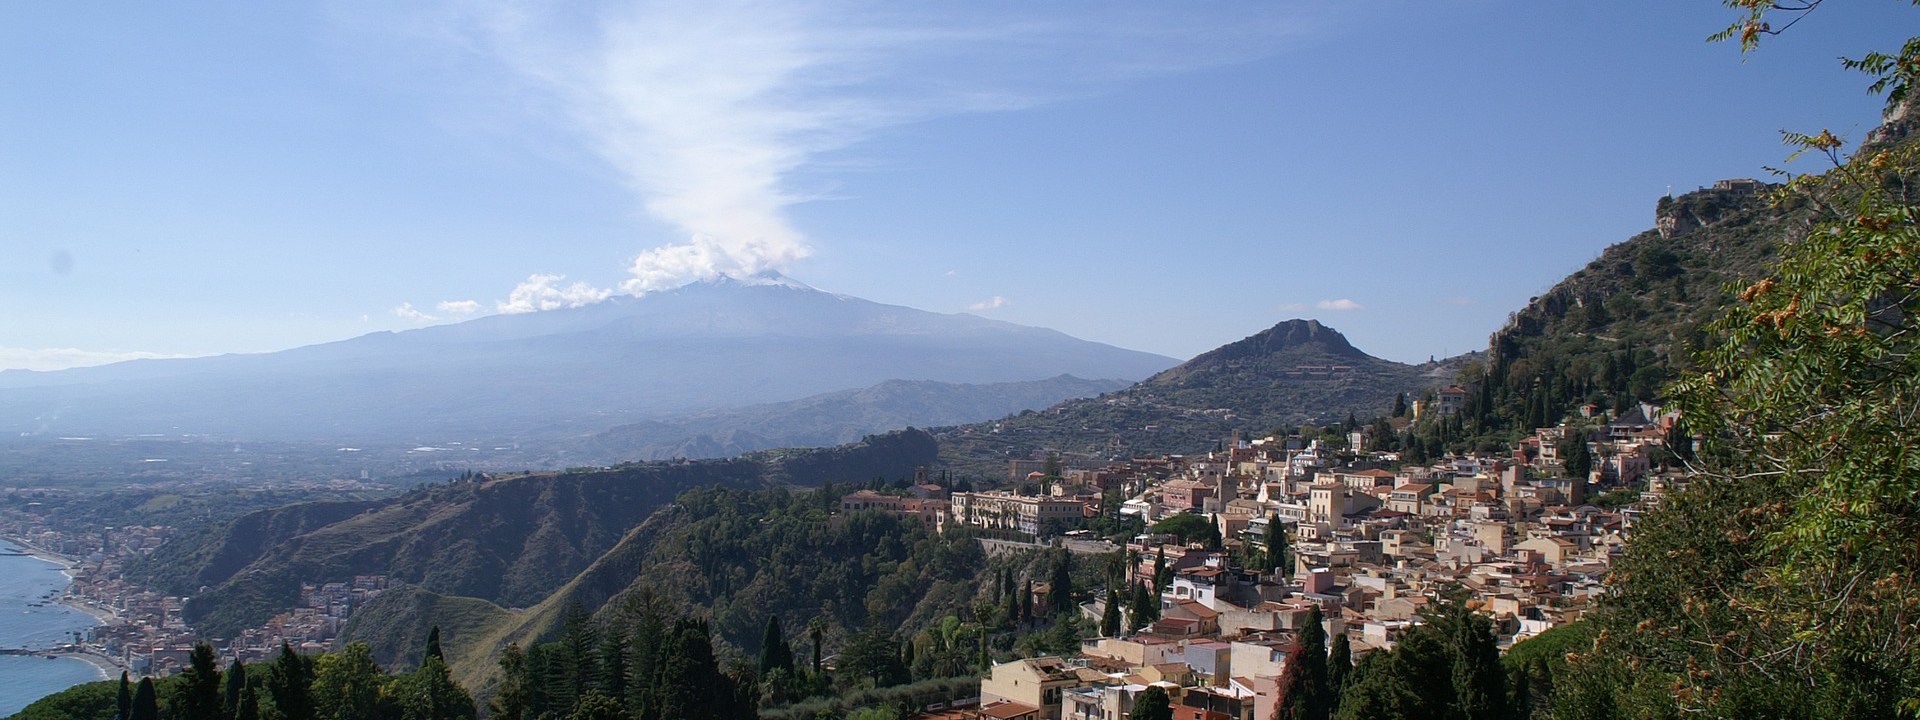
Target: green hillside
{"type": "Point", "coordinates": [1294, 373]}
{"type": "Point", "coordinates": [506, 540]}
{"type": "Point", "coordinates": [1615, 331]}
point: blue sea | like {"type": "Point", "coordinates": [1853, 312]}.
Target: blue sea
{"type": "Point", "coordinates": [25, 581]}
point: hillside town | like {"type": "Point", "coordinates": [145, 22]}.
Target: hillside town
{"type": "Point", "coordinates": [1372, 542]}
{"type": "Point", "coordinates": [143, 631]}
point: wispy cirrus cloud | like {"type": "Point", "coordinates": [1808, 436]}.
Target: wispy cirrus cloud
{"type": "Point", "coordinates": [710, 110]}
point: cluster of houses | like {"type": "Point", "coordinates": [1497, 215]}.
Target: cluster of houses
{"type": "Point", "coordinates": [1372, 543]}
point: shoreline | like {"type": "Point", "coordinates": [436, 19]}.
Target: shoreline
{"type": "Point", "coordinates": [108, 667]}
{"type": "Point", "coordinates": [31, 550]}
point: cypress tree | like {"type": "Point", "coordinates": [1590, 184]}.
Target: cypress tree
{"type": "Point", "coordinates": [249, 707]}
{"type": "Point", "coordinates": [433, 645]}
{"type": "Point", "coordinates": [236, 686]}
{"type": "Point", "coordinates": [1026, 601]}
{"type": "Point", "coordinates": [1161, 575]}
{"type": "Point", "coordinates": [1110, 618]}
{"type": "Point", "coordinates": [123, 703]}
{"type": "Point", "coordinates": [1519, 694]}
{"type": "Point", "coordinates": [774, 653]}
{"type": "Point", "coordinates": [816, 628]}
{"type": "Point", "coordinates": [1339, 671]}
{"type": "Point", "coordinates": [145, 705]}
{"type": "Point", "coordinates": [1145, 607]}
{"type": "Point", "coordinates": [1313, 666]}
{"type": "Point", "coordinates": [1060, 590]}
{"type": "Point", "coordinates": [1479, 685]}
{"type": "Point", "coordinates": [1277, 546]}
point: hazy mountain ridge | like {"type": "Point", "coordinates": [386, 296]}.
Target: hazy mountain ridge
{"type": "Point", "coordinates": [558, 372]}
{"type": "Point", "coordinates": [835, 418]}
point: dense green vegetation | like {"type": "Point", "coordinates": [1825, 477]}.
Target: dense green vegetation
{"type": "Point", "coordinates": [780, 575]}
{"type": "Point", "coordinates": [346, 685]}
{"type": "Point", "coordinates": [1785, 581]}
{"type": "Point", "coordinates": [508, 540]}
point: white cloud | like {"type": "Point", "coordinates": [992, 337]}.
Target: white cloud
{"type": "Point", "coordinates": [62, 358]}
{"type": "Point", "coordinates": [405, 311]}
{"type": "Point", "coordinates": [993, 303]}
{"type": "Point", "coordinates": [709, 108]}
{"type": "Point", "coordinates": [540, 292]}
{"type": "Point", "coordinates": [1341, 304]}
{"type": "Point", "coordinates": [458, 307]}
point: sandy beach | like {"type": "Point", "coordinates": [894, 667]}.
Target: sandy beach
{"type": "Point", "coordinates": [108, 667]}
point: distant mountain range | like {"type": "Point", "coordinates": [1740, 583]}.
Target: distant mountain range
{"type": "Point", "coordinates": [573, 372]}
{"type": "Point", "coordinates": [833, 418]}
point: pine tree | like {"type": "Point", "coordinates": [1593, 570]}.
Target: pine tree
{"type": "Point", "coordinates": [613, 662]}
{"type": "Point", "coordinates": [431, 694]}
{"type": "Point", "coordinates": [577, 665]}
{"type": "Point", "coordinates": [347, 684]}
{"type": "Point", "coordinates": [1152, 704]}
{"type": "Point", "coordinates": [513, 697]}
{"type": "Point", "coordinates": [197, 696]}
{"type": "Point", "coordinates": [290, 684]}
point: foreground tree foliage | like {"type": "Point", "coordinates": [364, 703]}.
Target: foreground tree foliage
{"type": "Point", "coordinates": [345, 685]}
{"type": "Point", "coordinates": [1782, 583]}
{"type": "Point", "coordinates": [1447, 667]}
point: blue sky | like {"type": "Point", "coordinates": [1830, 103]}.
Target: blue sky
{"type": "Point", "coordinates": [243, 177]}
